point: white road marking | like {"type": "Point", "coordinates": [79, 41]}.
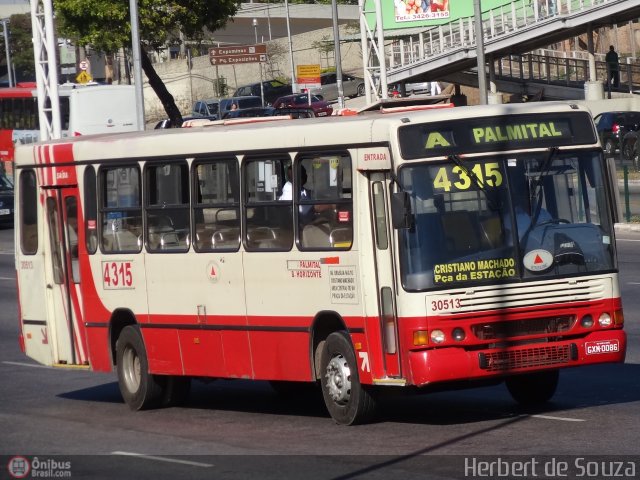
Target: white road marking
{"type": "Point", "coordinates": [21, 364]}
{"type": "Point", "coordinates": [164, 459]}
{"type": "Point", "coordinates": [564, 419]}
{"type": "Point", "coordinates": [7, 278]}
{"type": "Point", "coordinates": [626, 240]}
{"type": "Point", "coordinates": [634, 283]}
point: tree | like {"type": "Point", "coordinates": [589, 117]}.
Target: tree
{"type": "Point", "coordinates": [105, 26]}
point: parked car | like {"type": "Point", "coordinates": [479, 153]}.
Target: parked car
{"type": "Point", "coordinates": [241, 102]}
{"type": "Point", "coordinates": [249, 112]}
{"type": "Point", "coordinates": [410, 88]}
{"type": "Point", "coordinates": [206, 108]}
{"type": "Point", "coordinates": [301, 100]}
{"type": "Point", "coordinates": [6, 200]}
{"type": "Point", "coordinates": [273, 89]}
{"type": "Point", "coordinates": [612, 126]}
{"type": "Point", "coordinates": [166, 123]}
{"type": "Point", "coordinates": [631, 147]}
{"type": "Point", "coordinates": [351, 86]}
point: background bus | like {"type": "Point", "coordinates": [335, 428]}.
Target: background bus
{"type": "Point", "coordinates": [84, 110]}
{"type": "Point", "coordinates": [420, 249]}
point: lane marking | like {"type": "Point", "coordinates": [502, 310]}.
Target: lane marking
{"type": "Point", "coordinates": [21, 364]}
{"type": "Point", "coordinates": [7, 278]}
{"type": "Point", "coordinates": [633, 283]}
{"type": "Point", "coordinates": [626, 240]}
{"type": "Point", "coordinates": [163, 459]}
{"type": "Point", "coordinates": [564, 419]}
{"type": "Point", "coordinates": [7, 253]}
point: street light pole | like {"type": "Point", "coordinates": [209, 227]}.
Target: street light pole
{"type": "Point", "coordinates": [294, 84]}
{"type": "Point", "coordinates": [255, 28]}
{"type": "Point", "coordinates": [7, 49]}
{"type": "Point", "coordinates": [137, 66]}
{"type": "Point", "coordinates": [482, 74]}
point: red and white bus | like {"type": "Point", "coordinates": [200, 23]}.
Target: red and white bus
{"type": "Point", "coordinates": [421, 248]}
{"type": "Point", "coordinates": [84, 110]}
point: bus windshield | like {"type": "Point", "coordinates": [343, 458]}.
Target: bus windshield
{"type": "Point", "coordinates": [505, 218]}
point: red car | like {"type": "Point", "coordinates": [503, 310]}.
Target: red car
{"type": "Point", "coordinates": [301, 100]}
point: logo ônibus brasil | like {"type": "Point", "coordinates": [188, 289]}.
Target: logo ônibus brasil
{"type": "Point", "coordinates": [20, 467]}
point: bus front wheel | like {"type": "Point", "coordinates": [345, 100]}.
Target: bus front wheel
{"type": "Point", "coordinates": [533, 388]}
{"type": "Point", "coordinates": [139, 388]}
{"type": "Point", "coordinates": [346, 399]}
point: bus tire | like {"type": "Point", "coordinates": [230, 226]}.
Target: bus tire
{"type": "Point", "coordinates": [346, 399]}
{"type": "Point", "coordinates": [140, 389]}
{"type": "Point", "coordinates": [533, 388]}
{"type": "Point", "coordinates": [175, 391]}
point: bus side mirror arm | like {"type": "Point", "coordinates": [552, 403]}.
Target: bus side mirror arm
{"type": "Point", "coordinates": [401, 215]}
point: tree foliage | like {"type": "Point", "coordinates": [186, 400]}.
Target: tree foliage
{"type": "Point", "coordinates": [105, 26]}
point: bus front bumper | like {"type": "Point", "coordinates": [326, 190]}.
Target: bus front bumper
{"type": "Point", "coordinates": [457, 363]}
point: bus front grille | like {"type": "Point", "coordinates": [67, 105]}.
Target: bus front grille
{"type": "Point", "coordinates": [519, 328]}
{"type": "Point", "coordinates": [527, 358]}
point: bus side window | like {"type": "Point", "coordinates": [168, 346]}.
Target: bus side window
{"type": "Point", "coordinates": [28, 212]}
{"type": "Point", "coordinates": [120, 209]}
{"type": "Point", "coordinates": [268, 216]}
{"type": "Point", "coordinates": [167, 207]}
{"type": "Point", "coordinates": [216, 209]}
{"type": "Point", "coordinates": [329, 225]}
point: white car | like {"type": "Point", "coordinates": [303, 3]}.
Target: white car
{"type": "Point", "coordinates": [351, 86]}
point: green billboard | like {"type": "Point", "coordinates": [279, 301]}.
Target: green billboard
{"type": "Point", "coordinates": [398, 14]}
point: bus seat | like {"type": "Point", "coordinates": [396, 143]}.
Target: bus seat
{"type": "Point", "coordinates": [316, 235]}
{"type": "Point", "coordinates": [492, 231]}
{"type": "Point", "coordinates": [341, 237]}
{"type": "Point", "coordinates": [225, 238]}
{"type": "Point", "coordinates": [460, 231]}
{"type": "Point", "coordinates": [261, 237]}
{"type": "Point", "coordinates": [122, 240]}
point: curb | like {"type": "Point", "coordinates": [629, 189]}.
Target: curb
{"type": "Point", "coordinates": [627, 227]}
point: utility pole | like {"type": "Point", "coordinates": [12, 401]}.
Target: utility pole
{"type": "Point", "coordinates": [482, 74]}
{"type": "Point", "coordinates": [137, 68]}
{"type": "Point", "coordinates": [337, 55]}
{"type": "Point", "coordinates": [7, 48]}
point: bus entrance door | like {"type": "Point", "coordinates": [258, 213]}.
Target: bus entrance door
{"type": "Point", "coordinates": [383, 254]}
{"type": "Point", "coordinates": [63, 276]}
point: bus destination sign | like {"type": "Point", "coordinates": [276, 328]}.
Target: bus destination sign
{"type": "Point", "coordinates": [508, 132]}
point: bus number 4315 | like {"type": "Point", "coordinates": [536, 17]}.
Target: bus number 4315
{"type": "Point", "coordinates": [116, 275]}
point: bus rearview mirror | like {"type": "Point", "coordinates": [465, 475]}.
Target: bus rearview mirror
{"type": "Point", "coordinates": [401, 215]}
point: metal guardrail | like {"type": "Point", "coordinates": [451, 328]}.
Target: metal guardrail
{"type": "Point", "coordinates": [564, 71]}
{"type": "Point", "coordinates": [497, 23]}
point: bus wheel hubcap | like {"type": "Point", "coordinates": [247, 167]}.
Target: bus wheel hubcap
{"type": "Point", "coordinates": [131, 367]}
{"type": "Point", "coordinates": [338, 378]}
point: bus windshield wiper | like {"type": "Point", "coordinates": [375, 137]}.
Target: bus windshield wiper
{"type": "Point", "coordinates": [493, 205]}
{"type": "Point", "coordinates": [538, 192]}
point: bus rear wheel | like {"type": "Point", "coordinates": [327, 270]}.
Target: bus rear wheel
{"type": "Point", "coordinates": [347, 401]}
{"type": "Point", "coordinates": [139, 389]}
{"type": "Point", "coordinates": [533, 389]}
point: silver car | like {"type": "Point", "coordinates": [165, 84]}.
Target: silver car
{"type": "Point", "coordinates": [351, 86]}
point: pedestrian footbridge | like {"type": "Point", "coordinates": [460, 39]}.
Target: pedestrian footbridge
{"type": "Point", "coordinates": [514, 37]}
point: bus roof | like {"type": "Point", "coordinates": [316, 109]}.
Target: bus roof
{"type": "Point", "coordinates": [371, 128]}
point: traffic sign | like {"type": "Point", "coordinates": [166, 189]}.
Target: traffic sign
{"type": "Point", "coordinates": [235, 59]}
{"type": "Point", "coordinates": [308, 76]}
{"type": "Point", "coordinates": [238, 54]}
{"type": "Point", "coordinates": [84, 65]}
{"type": "Point", "coordinates": [83, 77]}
